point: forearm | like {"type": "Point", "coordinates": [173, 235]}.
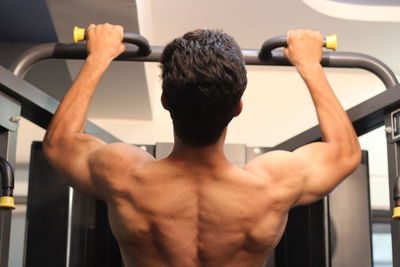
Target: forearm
{"type": "Point", "coordinates": [72, 112]}
{"type": "Point", "coordinates": [336, 127]}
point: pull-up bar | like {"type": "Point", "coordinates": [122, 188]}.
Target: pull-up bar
{"type": "Point", "coordinates": [138, 49]}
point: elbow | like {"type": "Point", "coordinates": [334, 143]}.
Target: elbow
{"type": "Point", "coordinates": [355, 160]}
{"type": "Point", "coordinates": [48, 150]}
{"type": "Point", "coordinates": [352, 158]}
{"type": "Point", "coordinates": [356, 154]}
{"type": "Point", "coordinates": [52, 146]}
{"type": "Point", "coordinates": [47, 146]}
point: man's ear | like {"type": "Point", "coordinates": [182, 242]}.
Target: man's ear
{"type": "Point", "coordinates": [239, 108]}
{"type": "Point", "coordinates": [163, 102]}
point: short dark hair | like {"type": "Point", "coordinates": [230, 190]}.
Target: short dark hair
{"type": "Point", "coordinates": [203, 80]}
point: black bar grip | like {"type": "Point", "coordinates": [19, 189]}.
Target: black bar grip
{"type": "Point", "coordinates": [7, 177]}
{"type": "Point", "coordinates": [7, 185]}
{"type": "Point", "coordinates": [131, 38]}
{"type": "Point", "coordinates": [330, 42]}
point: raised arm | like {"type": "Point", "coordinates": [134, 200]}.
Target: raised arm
{"type": "Point", "coordinates": [77, 156]}
{"type": "Point", "coordinates": [314, 170]}
{"type": "Point", "coordinates": [323, 165]}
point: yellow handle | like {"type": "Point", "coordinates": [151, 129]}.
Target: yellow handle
{"type": "Point", "coordinates": [79, 34]}
{"type": "Point", "coordinates": [396, 213]}
{"type": "Point", "coordinates": [7, 202]}
{"type": "Point", "coordinates": [331, 42]}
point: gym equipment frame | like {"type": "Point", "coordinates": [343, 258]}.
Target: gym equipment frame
{"type": "Point", "coordinates": [20, 98]}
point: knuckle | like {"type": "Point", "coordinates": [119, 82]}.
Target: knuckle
{"type": "Point", "coordinates": [91, 27]}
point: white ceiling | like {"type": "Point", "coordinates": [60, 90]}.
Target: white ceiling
{"type": "Point", "coordinates": [252, 22]}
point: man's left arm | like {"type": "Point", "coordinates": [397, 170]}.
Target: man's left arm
{"type": "Point", "coordinates": [67, 148]}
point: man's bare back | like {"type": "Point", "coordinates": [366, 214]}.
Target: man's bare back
{"type": "Point", "coordinates": [179, 213]}
{"type": "Point", "coordinates": [194, 208]}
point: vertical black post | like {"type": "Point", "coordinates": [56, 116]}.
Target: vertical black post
{"type": "Point", "coordinates": [303, 243]}
{"type": "Point", "coordinates": [393, 150]}
{"type": "Point", "coordinates": [8, 141]}
{"type": "Point", "coordinates": [47, 213]}
{"type": "Point", "coordinates": [10, 111]}
{"type": "Point", "coordinates": [350, 220]}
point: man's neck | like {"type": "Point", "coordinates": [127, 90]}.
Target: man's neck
{"type": "Point", "coordinates": [208, 155]}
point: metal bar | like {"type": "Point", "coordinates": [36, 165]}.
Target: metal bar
{"type": "Point", "coordinates": [8, 146]}
{"type": "Point", "coordinates": [327, 232]}
{"type": "Point", "coordinates": [393, 154]}
{"type": "Point", "coordinates": [39, 107]}
{"type": "Point", "coordinates": [69, 228]}
{"type": "Point", "coordinates": [5, 229]}
{"type": "Point", "coordinates": [365, 117]}
{"type": "Point", "coordinates": [9, 116]}
{"type": "Point", "coordinates": [251, 57]}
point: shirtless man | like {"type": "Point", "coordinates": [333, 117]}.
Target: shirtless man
{"type": "Point", "coordinates": [194, 208]}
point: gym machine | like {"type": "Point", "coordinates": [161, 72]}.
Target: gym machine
{"type": "Point", "coordinates": [25, 100]}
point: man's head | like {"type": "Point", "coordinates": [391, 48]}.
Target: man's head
{"type": "Point", "coordinates": [204, 78]}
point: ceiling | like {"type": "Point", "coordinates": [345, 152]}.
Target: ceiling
{"type": "Point", "coordinates": [252, 22]}
{"type": "Point", "coordinates": [371, 2]}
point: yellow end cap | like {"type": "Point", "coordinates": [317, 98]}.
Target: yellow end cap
{"type": "Point", "coordinates": [396, 213]}
{"type": "Point", "coordinates": [331, 42]}
{"type": "Point", "coordinates": [7, 202]}
{"type": "Point", "coordinates": [79, 34]}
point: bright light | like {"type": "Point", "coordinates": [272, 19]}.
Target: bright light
{"type": "Point", "coordinates": [361, 10]}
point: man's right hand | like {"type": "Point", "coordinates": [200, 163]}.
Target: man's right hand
{"type": "Point", "coordinates": [304, 48]}
{"type": "Point", "coordinates": [104, 41]}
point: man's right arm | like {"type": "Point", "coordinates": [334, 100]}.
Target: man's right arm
{"type": "Point", "coordinates": [314, 170]}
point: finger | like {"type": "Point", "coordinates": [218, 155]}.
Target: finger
{"type": "Point", "coordinates": [91, 27]}
{"type": "Point", "coordinates": [320, 36]}
{"type": "Point", "coordinates": [289, 36]}
{"type": "Point", "coordinates": [120, 29]}
{"type": "Point", "coordinates": [89, 31]}
{"type": "Point", "coordinates": [297, 33]}
{"type": "Point", "coordinates": [286, 52]}
{"type": "Point", "coordinates": [122, 47]}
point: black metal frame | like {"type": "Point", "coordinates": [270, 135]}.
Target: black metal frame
{"type": "Point", "coordinates": [393, 148]}
{"type": "Point", "coordinates": [8, 145]}
{"type": "Point", "coordinates": [38, 107]}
